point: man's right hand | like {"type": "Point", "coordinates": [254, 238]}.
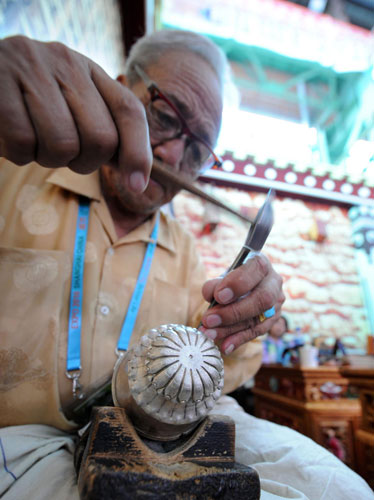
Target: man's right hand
{"type": "Point", "coordinates": [59, 108]}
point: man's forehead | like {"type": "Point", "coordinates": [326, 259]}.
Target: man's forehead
{"type": "Point", "coordinates": [193, 86]}
{"type": "Point", "coordinates": [175, 71]}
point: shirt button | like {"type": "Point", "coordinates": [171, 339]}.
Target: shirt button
{"type": "Point", "coordinates": [110, 251]}
{"type": "Point", "coordinates": [104, 310]}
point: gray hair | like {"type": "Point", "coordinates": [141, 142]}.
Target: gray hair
{"type": "Point", "coordinates": [150, 48]}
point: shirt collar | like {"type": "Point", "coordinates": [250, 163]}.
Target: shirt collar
{"type": "Point", "coordinates": [85, 185]}
{"type": "Point", "coordinates": [89, 186]}
{"type": "Point", "coordinates": [166, 237]}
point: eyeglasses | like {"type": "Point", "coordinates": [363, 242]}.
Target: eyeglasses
{"type": "Point", "coordinates": [166, 123]}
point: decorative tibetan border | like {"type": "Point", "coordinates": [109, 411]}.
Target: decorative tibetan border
{"type": "Point", "coordinates": [293, 179]}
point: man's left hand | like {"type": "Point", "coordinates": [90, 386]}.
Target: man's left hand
{"type": "Point", "coordinates": [242, 295]}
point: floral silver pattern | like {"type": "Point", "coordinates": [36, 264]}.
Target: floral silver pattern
{"type": "Point", "coordinates": [175, 374]}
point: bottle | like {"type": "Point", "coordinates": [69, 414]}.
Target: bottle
{"type": "Point", "coordinates": [298, 337]}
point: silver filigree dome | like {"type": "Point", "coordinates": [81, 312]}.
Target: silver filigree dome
{"type": "Point", "coordinates": [175, 374]}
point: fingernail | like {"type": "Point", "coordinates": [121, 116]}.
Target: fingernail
{"type": "Point", "coordinates": [137, 182]}
{"type": "Point", "coordinates": [212, 334]}
{"type": "Point", "coordinates": [213, 320]}
{"type": "Point", "coordinates": [225, 295]}
{"type": "Point", "coordinates": [229, 349]}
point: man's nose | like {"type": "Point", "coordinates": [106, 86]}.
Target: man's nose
{"type": "Point", "coordinates": [170, 152]}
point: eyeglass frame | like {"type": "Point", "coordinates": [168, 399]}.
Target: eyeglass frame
{"type": "Point", "coordinates": [155, 94]}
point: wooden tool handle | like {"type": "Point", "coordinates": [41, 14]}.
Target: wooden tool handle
{"type": "Point", "coordinates": [161, 171]}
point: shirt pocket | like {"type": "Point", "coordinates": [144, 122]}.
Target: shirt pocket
{"type": "Point", "coordinates": [32, 288]}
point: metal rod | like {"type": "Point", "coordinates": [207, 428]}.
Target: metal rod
{"type": "Point", "coordinates": [161, 171]}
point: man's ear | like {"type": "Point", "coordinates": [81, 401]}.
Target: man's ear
{"type": "Point", "coordinates": [123, 80]}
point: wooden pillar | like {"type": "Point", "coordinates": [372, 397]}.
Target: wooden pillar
{"type": "Point", "coordinates": [133, 17]}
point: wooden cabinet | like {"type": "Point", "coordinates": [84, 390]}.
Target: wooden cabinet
{"type": "Point", "coordinates": [363, 380]}
{"type": "Point", "coordinates": [318, 402]}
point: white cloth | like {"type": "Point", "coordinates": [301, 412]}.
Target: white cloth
{"type": "Point", "coordinates": [36, 463]}
{"type": "Point", "coordinates": [290, 465]}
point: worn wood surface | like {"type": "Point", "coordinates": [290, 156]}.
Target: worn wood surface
{"type": "Point", "coordinates": [116, 463]}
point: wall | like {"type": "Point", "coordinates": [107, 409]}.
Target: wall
{"type": "Point", "coordinates": [92, 27]}
{"type": "Point", "coordinates": [321, 283]}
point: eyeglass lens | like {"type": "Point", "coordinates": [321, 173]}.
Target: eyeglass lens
{"type": "Point", "coordinates": [165, 125]}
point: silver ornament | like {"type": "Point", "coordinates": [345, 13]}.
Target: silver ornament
{"type": "Point", "coordinates": [169, 381]}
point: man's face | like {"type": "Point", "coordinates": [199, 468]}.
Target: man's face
{"type": "Point", "coordinates": [191, 84]}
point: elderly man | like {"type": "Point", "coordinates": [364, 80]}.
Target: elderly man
{"type": "Point", "coordinates": [59, 109]}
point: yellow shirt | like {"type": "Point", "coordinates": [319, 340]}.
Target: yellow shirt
{"type": "Point", "coordinates": [38, 213]}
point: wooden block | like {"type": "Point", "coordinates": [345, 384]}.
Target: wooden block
{"type": "Point", "coordinates": [116, 463]}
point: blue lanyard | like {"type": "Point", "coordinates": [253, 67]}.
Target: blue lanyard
{"type": "Point", "coordinates": [73, 361]}
{"type": "Point", "coordinates": [132, 311]}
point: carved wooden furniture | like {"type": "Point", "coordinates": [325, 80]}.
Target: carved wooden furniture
{"type": "Point", "coordinates": [317, 402]}
{"type": "Point", "coordinates": [113, 462]}
{"type": "Point", "coordinates": [363, 379]}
